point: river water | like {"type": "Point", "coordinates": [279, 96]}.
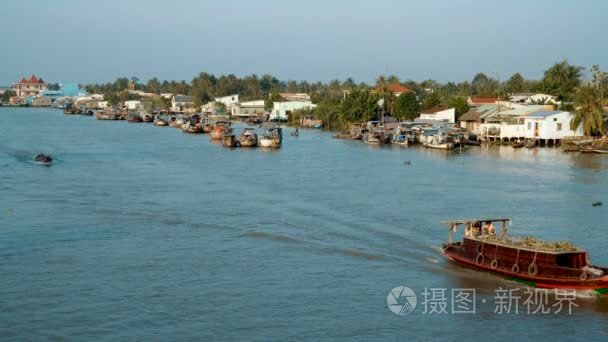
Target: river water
{"type": "Point", "coordinates": [147, 233]}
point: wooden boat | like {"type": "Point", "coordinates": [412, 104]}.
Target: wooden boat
{"type": "Point", "coordinates": [518, 144]}
{"type": "Point", "coordinates": [173, 122]}
{"type": "Point", "coordinates": [436, 139]}
{"type": "Point", "coordinates": [249, 138]}
{"type": "Point", "coordinates": [192, 128]}
{"type": "Point", "coordinates": [403, 136]}
{"type": "Point", "coordinates": [531, 143]}
{"type": "Point", "coordinates": [207, 127]}
{"type": "Point", "coordinates": [533, 262]}
{"type": "Point", "coordinates": [272, 138]}
{"type": "Point", "coordinates": [161, 123]}
{"type": "Point", "coordinates": [148, 118]}
{"type": "Point", "coordinates": [135, 119]}
{"type": "Point", "coordinates": [295, 133]}
{"type": "Point", "coordinates": [218, 130]}
{"type": "Point", "coordinates": [229, 139]}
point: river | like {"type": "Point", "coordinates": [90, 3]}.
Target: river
{"type": "Point", "coordinates": [147, 233]}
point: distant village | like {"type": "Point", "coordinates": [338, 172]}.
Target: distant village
{"type": "Point", "coordinates": [516, 117]}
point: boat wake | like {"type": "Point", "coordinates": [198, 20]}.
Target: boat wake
{"type": "Point", "coordinates": [360, 254]}
{"type": "Point", "coordinates": [269, 236]}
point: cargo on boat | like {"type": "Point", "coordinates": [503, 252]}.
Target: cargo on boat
{"type": "Point", "coordinates": [534, 262]}
{"type": "Point", "coordinates": [249, 138]}
{"type": "Point", "coordinates": [229, 138]}
{"type": "Point", "coordinates": [219, 129]}
{"type": "Point", "coordinates": [272, 138]}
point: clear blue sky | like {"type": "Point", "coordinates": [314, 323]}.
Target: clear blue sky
{"type": "Point", "coordinates": [97, 41]}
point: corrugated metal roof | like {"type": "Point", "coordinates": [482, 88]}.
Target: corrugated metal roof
{"type": "Point", "coordinates": [543, 114]}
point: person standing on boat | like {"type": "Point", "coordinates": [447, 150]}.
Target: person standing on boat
{"type": "Point", "coordinates": [491, 229]}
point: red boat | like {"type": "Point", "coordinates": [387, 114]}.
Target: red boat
{"type": "Point", "coordinates": [551, 265]}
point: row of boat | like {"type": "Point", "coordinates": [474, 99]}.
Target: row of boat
{"type": "Point", "coordinates": [195, 124]}
{"type": "Point", "coordinates": [406, 134]}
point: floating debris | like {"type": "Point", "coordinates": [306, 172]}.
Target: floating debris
{"type": "Point", "coordinates": [596, 204]}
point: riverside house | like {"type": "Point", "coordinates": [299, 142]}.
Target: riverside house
{"type": "Point", "coordinates": [443, 114]}
{"type": "Point", "coordinates": [182, 104]}
{"type": "Point", "coordinates": [282, 110]}
{"type": "Point", "coordinates": [31, 87]}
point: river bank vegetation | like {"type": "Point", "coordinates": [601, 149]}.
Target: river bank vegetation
{"type": "Point", "coordinates": [340, 103]}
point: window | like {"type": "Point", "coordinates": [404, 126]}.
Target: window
{"type": "Point", "coordinates": [559, 126]}
{"type": "Point", "coordinates": [554, 119]}
{"type": "Point", "coordinates": [529, 126]}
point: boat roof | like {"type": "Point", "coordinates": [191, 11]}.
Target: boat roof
{"type": "Point", "coordinates": [502, 219]}
{"type": "Point", "coordinates": [510, 243]}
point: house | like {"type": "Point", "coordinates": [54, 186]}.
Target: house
{"type": "Point", "coordinates": [182, 104]}
{"type": "Point", "coordinates": [480, 100]}
{"type": "Point", "coordinates": [550, 126]}
{"type": "Point", "coordinates": [41, 101]}
{"type": "Point", "coordinates": [499, 122]}
{"type": "Point", "coordinates": [250, 108]}
{"type": "Point", "coordinates": [395, 88]}
{"type": "Point", "coordinates": [132, 104]}
{"type": "Point", "coordinates": [32, 86]}
{"type": "Point", "coordinates": [282, 110]}
{"type": "Point", "coordinates": [476, 116]}
{"type": "Point", "coordinates": [533, 98]}
{"type": "Point", "coordinates": [295, 97]}
{"type": "Point", "coordinates": [439, 114]}
{"type": "Point", "coordinates": [230, 101]}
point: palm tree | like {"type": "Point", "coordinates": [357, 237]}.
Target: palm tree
{"type": "Point", "coordinates": [589, 111]}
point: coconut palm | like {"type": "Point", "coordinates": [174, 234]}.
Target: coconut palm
{"type": "Point", "coordinates": [589, 111]}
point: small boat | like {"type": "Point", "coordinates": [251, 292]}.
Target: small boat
{"type": "Point", "coordinates": [528, 260]}
{"type": "Point", "coordinates": [229, 139]}
{"type": "Point", "coordinates": [135, 119]}
{"type": "Point", "coordinates": [295, 133]}
{"type": "Point", "coordinates": [249, 138]}
{"type": "Point", "coordinates": [160, 122]}
{"type": "Point", "coordinates": [531, 143]}
{"type": "Point", "coordinates": [518, 144]}
{"type": "Point", "coordinates": [403, 136]}
{"type": "Point", "coordinates": [148, 118]}
{"type": "Point", "coordinates": [192, 128]}
{"type": "Point", "coordinates": [207, 126]}
{"type": "Point", "coordinates": [173, 122]}
{"type": "Point", "coordinates": [272, 138]}
{"type": "Point", "coordinates": [219, 129]}
{"type": "Point", "coordinates": [43, 159]}
{"type": "Point", "coordinates": [436, 139]}
{"type": "Point", "coordinates": [594, 150]}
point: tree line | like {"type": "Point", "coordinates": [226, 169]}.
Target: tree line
{"type": "Point", "coordinates": [342, 102]}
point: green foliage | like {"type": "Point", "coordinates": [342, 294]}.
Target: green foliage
{"type": "Point", "coordinates": [359, 106]}
{"type": "Point", "coordinates": [589, 112]}
{"type": "Point", "coordinates": [459, 103]}
{"type": "Point", "coordinates": [7, 95]}
{"type": "Point", "coordinates": [407, 107]}
{"type": "Point", "coordinates": [515, 84]}
{"type": "Point", "coordinates": [562, 79]}
{"type": "Point", "coordinates": [431, 100]}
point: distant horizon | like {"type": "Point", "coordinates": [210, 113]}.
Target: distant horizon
{"type": "Point", "coordinates": [319, 40]}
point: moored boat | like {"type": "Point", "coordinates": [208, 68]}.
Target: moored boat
{"type": "Point", "coordinates": [207, 126]}
{"type": "Point", "coordinates": [135, 118]}
{"type": "Point", "coordinates": [148, 118]}
{"type": "Point", "coordinates": [436, 139]}
{"type": "Point", "coordinates": [272, 138]}
{"type": "Point", "coordinates": [218, 130]}
{"type": "Point", "coordinates": [518, 144]}
{"type": "Point", "coordinates": [249, 138]}
{"type": "Point", "coordinates": [229, 139]}
{"type": "Point", "coordinates": [534, 262]}
{"type": "Point", "coordinates": [161, 122]}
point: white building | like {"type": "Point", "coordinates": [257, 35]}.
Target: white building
{"type": "Point", "coordinates": [282, 110]}
{"type": "Point", "coordinates": [103, 104]}
{"type": "Point", "coordinates": [133, 104]}
{"type": "Point", "coordinates": [182, 104]}
{"type": "Point", "coordinates": [550, 125]}
{"type": "Point", "coordinates": [230, 101]}
{"type": "Point", "coordinates": [250, 108]}
{"type": "Point", "coordinates": [442, 114]}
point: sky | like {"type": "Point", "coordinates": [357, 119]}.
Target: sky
{"type": "Point", "coordinates": [84, 41]}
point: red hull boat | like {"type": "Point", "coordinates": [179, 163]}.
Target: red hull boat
{"type": "Point", "coordinates": [528, 260]}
